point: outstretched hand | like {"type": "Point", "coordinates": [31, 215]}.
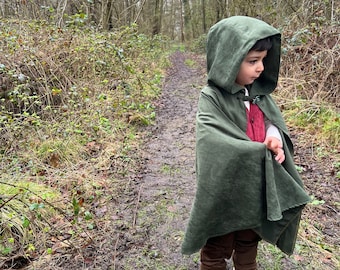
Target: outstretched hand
{"type": "Point", "coordinates": [275, 145]}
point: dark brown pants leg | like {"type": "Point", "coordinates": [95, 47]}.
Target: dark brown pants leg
{"type": "Point", "coordinates": [216, 250]}
{"type": "Point", "coordinates": [245, 250]}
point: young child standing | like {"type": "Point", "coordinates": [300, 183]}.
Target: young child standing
{"type": "Point", "coordinates": [247, 186]}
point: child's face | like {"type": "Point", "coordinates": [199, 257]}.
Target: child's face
{"type": "Point", "coordinates": [251, 67]}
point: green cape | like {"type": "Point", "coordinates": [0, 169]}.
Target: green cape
{"type": "Point", "coordinates": [239, 183]}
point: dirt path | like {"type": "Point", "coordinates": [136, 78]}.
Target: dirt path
{"type": "Point", "coordinates": [142, 222]}
{"type": "Point", "coordinates": [166, 188]}
{"type": "Point", "coordinates": [143, 214]}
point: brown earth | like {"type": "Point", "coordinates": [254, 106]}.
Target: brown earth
{"type": "Point", "coordinates": [167, 186]}
{"type": "Point", "coordinates": [146, 221]}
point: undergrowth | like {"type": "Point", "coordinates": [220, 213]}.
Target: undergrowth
{"type": "Point", "coordinates": [73, 103]}
{"type": "Point", "coordinates": [308, 96]}
{"type": "Point", "coordinates": [308, 89]}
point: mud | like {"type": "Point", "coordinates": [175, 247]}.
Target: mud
{"type": "Point", "coordinates": [168, 183]}
{"type": "Point", "coordinates": [146, 221]}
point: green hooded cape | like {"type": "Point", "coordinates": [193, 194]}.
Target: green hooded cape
{"type": "Point", "coordinates": [239, 183]}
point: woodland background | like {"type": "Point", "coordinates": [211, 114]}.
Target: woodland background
{"type": "Point", "coordinates": [181, 20]}
{"type": "Point", "coordinates": [79, 83]}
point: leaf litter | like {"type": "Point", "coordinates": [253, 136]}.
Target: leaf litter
{"type": "Point", "coordinates": [142, 225]}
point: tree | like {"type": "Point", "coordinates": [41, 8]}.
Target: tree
{"type": "Point", "coordinates": [204, 23]}
{"type": "Point", "coordinates": [107, 15]}
{"type": "Point", "coordinates": [179, 19]}
{"type": "Point", "coordinates": [157, 22]}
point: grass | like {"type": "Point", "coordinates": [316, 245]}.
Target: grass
{"type": "Point", "coordinates": [318, 119]}
{"type": "Point", "coordinates": [75, 133]}
{"type": "Point", "coordinates": [69, 145]}
{"type": "Point", "coordinates": [309, 253]}
{"type": "Point", "coordinates": [26, 212]}
{"type": "Point", "coordinates": [314, 116]}
{"type": "Point", "coordinates": [190, 63]}
{"type": "Point", "coordinates": [169, 169]}
{"type": "Point", "coordinates": [159, 218]}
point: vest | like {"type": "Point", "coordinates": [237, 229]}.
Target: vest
{"type": "Point", "coordinates": [256, 129]}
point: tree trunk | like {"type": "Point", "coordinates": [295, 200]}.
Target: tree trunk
{"type": "Point", "coordinates": [187, 19]}
{"type": "Point", "coordinates": [182, 22]}
{"type": "Point", "coordinates": [156, 29]}
{"type": "Point", "coordinates": [107, 15]}
{"type": "Point", "coordinates": [204, 23]}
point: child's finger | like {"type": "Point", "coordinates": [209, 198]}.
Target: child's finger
{"type": "Point", "coordinates": [280, 156]}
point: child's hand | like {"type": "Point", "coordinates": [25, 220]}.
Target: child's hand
{"type": "Point", "coordinates": [275, 145]}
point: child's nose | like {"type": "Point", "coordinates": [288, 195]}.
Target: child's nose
{"type": "Point", "coordinates": [260, 66]}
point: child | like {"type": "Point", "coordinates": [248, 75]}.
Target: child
{"type": "Point", "coordinates": [247, 186]}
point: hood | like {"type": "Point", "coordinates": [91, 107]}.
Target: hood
{"type": "Point", "coordinates": [228, 43]}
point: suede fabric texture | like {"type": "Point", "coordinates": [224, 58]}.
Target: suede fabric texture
{"type": "Point", "coordinates": [239, 184]}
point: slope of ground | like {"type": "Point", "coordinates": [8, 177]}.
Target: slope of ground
{"type": "Point", "coordinates": [145, 222]}
{"type": "Point", "coordinates": [168, 185]}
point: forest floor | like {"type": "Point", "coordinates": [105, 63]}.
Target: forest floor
{"type": "Point", "coordinates": [148, 218]}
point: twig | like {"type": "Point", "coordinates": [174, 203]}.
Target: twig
{"type": "Point", "coordinates": [115, 253]}
{"type": "Point", "coordinates": [330, 207]}
{"type": "Point", "coordinates": [136, 207]}
{"type": "Point", "coordinates": [36, 194]}
{"type": "Point", "coordinates": [4, 203]}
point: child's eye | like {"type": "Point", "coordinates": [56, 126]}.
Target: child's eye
{"type": "Point", "coordinates": [252, 61]}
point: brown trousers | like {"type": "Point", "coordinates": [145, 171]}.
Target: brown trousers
{"type": "Point", "coordinates": [240, 245]}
